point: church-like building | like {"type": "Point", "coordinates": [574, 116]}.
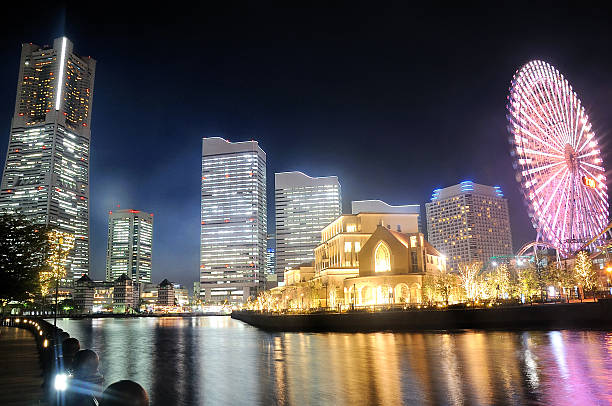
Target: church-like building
{"type": "Point", "coordinates": [363, 259]}
{"type": "Point", "coordinates": [391, 269]}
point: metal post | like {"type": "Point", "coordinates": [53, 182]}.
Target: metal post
{"type": "Point", "coordinates": [56, 301]}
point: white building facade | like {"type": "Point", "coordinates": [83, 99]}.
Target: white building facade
{"type": "Point", "coordinates": [130, 246]}
{"type": "Point", "coordinates": [378, 206]}
{"type": "Point", "coordinates": [46, 173]}
{"type": "Point", "coordinates": [469, 222]}
{"type": "Point", "coordinates": [304, 206]}
{"type": "Point", "coordinates": [233, 220]}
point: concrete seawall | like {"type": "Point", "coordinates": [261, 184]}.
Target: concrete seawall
{"type": "Point", "coordinates": [544, 316]}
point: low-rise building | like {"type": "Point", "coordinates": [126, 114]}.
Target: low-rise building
{"type": "Point", "coordinates": [364, 259]}
{"type": "Point", "coordinates": [84, 291]}
{"type": "Point", "coordinates": [148, 296]}
{"type": "Point", "coordinates": [392, 267]}
{"type": "Point", "coordinates": [123, 295]}
{"type": "Point", "coordinates": [165, 293]}
{"type": "Point", "coordinates": [103, 296]}
{"type": "Point", "coordinates": [181, 295]}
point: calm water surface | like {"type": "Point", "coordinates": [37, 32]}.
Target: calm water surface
{"type": "Point", "coordinates": [220, 361]}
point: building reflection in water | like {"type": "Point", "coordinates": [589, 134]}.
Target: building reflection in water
{"type": "Point", "coordinates": [217, 360]}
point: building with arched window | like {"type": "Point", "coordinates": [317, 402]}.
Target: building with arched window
{"type": "Point", "coordinates": [392, 266]}
{"type": "Point", "coordinates": [391, 270]}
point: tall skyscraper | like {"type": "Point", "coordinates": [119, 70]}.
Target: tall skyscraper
{"type": "Point", "coordinates": [469, 222]}
{"type": "Point", "coordinates": [130, 246]}
{"type": "Point", "coordinates": [46, 174]}
{"type": "Point", "coordinates": [304, 206]}
{"type": "Point", "coordinates": [233, 220]}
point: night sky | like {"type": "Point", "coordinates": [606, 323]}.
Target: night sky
{"type": "Point", "coordinates": [395, 101]}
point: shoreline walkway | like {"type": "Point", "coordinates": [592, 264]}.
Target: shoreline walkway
{"type": "Point", "coordinates": [21, 376]}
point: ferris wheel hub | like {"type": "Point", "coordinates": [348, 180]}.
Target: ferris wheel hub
{"type": "Point", "coordinates": [571, 158]}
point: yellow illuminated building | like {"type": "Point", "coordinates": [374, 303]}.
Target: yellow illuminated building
{"type": "Point", "coordinates": [363, 259]}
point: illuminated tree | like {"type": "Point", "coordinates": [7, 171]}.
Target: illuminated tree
{"type": "Point", "coordinates": [586, 276]}
{"type": "Point", "coordinates": [526, 283]}
{"type": "Point", "coordinates": [23, 256]}
{"type": "Point", "coordinates": [498, 282]}
{"type": "Point", "coordinates": [444, 284]}
{"type": "Point", "coordinates": [429, 288]}
{"type": "Point", "coordinates": [60, 245]}
{"type": "Point", "coordinates": [468, 277]}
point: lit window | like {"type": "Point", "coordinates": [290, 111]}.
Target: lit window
{"type": "Point", "coordinates": [351, 228]}
{"type": "Point", "coordinates": [413, 241]}
{"type": "Point", "coordinates": [382, 258]}
{"type": "Point", "coordinates": [347, 246]}
{"type": "Point", "coordinates": [357, 246]}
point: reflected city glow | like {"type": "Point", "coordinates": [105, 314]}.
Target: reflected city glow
{"type": "Point", "coordinates": [217, 360]}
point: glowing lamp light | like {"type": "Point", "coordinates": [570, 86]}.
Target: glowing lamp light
{"type": "Point", "coordinates": [61, 382]}
{"type": "Point", "coordinates": [45, 343]}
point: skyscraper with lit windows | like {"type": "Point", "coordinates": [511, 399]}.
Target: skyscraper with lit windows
{"type": "Point", "coordinates": [469, 222]}
{"type": "Point", "coordinates": [130, 245]}
{"type": "Point", "coordinates": [233, 220]}
{"type": "Point", "coordinates": [46, 173]}
{"type": "Point", "coordinates": [304, 206]}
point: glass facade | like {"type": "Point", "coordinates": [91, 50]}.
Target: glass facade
{"type": "Point", "coordinates": [130, 245]}
{"type": "Point", "coordinates": [46, 174]}
{"type": "Point", "coordinates": [304, 206]}
{"type": "Point", "coordinates": [233, 220]}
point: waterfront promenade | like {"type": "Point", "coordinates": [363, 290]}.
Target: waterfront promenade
{"type": "Point", "coordinates": [596, 315]}
{"type": "Point", "coordinates": [21, 376]}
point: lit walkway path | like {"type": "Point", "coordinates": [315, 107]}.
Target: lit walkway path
{"type": "Point", "coordinates": [20, 372]}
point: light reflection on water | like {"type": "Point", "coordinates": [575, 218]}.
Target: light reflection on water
{"type": "Point", "coordinates": [217, 360]}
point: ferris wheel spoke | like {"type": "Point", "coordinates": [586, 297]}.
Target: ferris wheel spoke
{"type": "Point", "coordinates": [543, 120]}
{"type": "Point", "coordinates": [562, 199]}
{"type": "Point", "coordinates": [592, 166]}
{"type": "Point", "coordinates": [543, 132]}
{"type": "Point", "coordinates": [586, 142]}
{"type": "Point", "coordinates": [550, 179]}
{"type": "Point", "coordinates": [542, 153]}
{"type": "Point", "coordinates": [529, 133]}
{"type": "Point", "coordinates": [555, 113]}
{"type": "Point", "coordinates": [594, 152]}
{"type": "Point", "coordinates": [550, 116]}
{"type": "Point", "coordinates": [554, 193]}
{"type": "Point", "coordinates": [541, 168]}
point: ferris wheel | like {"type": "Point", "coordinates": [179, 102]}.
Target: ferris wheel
{"type": "Point", "coordinates": [557, 158]}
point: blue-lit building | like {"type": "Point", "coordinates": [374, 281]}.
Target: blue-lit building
{"type": "Point", "coordinates": [234, 221]}
{"type": "Point", "coordinates": [469, 222]}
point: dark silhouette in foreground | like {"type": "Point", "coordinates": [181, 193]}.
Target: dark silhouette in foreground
{"type": "Point", "coordinates": [86, 383]}
{"type": "Point", "coordinates": [70, 347]}
{"type": "Point", "coordinates": [125, 393]}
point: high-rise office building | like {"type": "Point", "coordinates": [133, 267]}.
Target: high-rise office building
{"type": "Point", "coordinates": [304, 206]}
{"type": "Point", "coordinates": [233, 220]}
{"type": "Point", "coordinates": [46, 173]}
{"type": "Point", "coordinates": [130, 246]}
{"type": "Point", "coordinates": [469, 222]}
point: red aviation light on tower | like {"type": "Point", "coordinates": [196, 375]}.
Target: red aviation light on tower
{"type": "Point", "coordinates": [589, 182]}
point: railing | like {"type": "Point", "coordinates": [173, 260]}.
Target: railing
{"type": "Point", "coordinates": [48, 342]}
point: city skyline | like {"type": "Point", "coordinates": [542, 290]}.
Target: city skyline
{"type": "Point", "coordinates": [154, 186]}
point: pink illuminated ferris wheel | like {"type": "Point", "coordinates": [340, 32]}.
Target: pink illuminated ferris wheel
{"type": "Point", "coordinates": [557, 158]}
